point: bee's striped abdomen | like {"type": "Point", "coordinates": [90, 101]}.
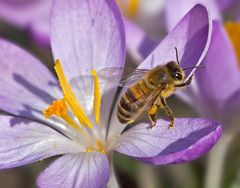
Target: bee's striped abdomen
{"type": "Point", "coordinates": [132, 102]}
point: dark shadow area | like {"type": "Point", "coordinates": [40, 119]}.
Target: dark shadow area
{"type": "Point", "coordinates": [40, 93]}
{"type": "Point", "coordinates": [54, 84]}
{"type": "Point", "coordinates": [17, 120]}
{"type": "Point", "coordinates": [146, 47]}
{"type": "Point", "coordinates": [184, 143]}
{"type": "Point", "coordinates": [25, 116]}
{"type": "Point", "coordinates": [191, 57]}
{"type": "Point", "coordinates": [11, 33]}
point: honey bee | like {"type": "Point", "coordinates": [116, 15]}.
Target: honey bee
{"type": "Point", "coordinates": [148, 91]}
{"type": "Point", "coordinates": [151, 92]}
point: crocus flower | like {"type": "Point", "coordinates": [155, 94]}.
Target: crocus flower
{"type": "Point", "coordinates": [140, 43]}
{"type": "Point", "coordinates": [216, 91]}
{"type": "Point", "coordinates": [217, 85]}
{"type": "Point", "coordinates": [45, 122]}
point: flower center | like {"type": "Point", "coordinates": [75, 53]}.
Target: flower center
{"type": "Point", "coordinates": [129, 7]}
{"type": "Point", "coordinates": [233, 30]}
{"type": "Point", "coordinates": [59, 108]}
{"type": "Point", "coordinates": [69, 110]}
{"type": "Point", "coordinates": [98, 147]}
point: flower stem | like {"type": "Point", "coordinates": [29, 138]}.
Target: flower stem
{"type": "Point", "coordinates": [112, 183]}
{"type": "Point", "coordinates": [215, 162]}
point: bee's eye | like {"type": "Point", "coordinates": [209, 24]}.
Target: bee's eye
{"type": "Point", "coordinates": [177, 76]}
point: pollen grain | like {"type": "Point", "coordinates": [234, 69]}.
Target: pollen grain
{"type": "Point", "coordinates": [59, 109]}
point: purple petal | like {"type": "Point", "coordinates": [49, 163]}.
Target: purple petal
{"type": "Point", "coordinates": [24, 141]}
{"type": "Point", "coordinates": [220, 79]}
{"type": "Point", "coordinates": [191, 37]}
{"type": "Point", "coordinates": [189, 139]}
{"type": "Point", "coordinates": [86, 35]}
{"type": "Point", "coordinates": [27, 86]}
{"type": "Point", "coordinates": [23, 13]}
{"type": "Point", "coordinates": [176, 9]}
{"type": "Point", "coordinates": [90, 170]}
{"type": "Point", "coordinates": [139, 45]}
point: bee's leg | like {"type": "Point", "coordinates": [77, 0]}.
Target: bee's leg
{"type": "Point", "coordinates": [131, 122]}
{"type": "Point", "coordinates": [188, 82]}
{"type": "Point", "coordinates": [152, 114]}
{"type": "Point", "coordinates": [167, 111]}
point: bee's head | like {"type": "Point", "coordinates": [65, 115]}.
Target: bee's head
{"type": "Point", "coordinates": [176, 72]}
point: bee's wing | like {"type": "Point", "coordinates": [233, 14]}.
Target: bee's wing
{"type": "Point", "coordinates": [147, 100]}
{"type": "Point", "coordinates": [108, 77]}
{"type": "Point", "coordinates": [120, 76]}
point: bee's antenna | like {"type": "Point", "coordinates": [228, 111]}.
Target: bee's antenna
{"type": "Point", "coordinates": [199, 66]}
{"type": "Point", "coordinates": [177, 55]}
